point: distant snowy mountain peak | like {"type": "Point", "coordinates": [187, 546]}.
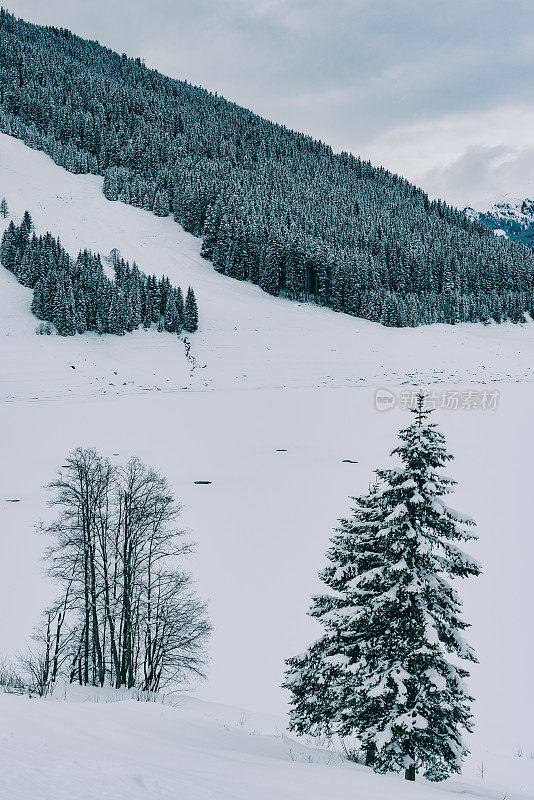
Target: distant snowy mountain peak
{"type": "Point", "coordinates": [512, 217]}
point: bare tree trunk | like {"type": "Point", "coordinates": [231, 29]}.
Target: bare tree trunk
{"type": "Point", "coordinates": [61, 614]}
{"type": "Point", "coordinates": [48, 650]}
{"type": "Point", "coordinates": [77, 662]}
{"type": "Point", "coordinates": [127, 580]}
{"type": "Point", "coordinates": [87, 614]}
{"type": "Point", "coordinates": [105, 569]}
{"type": "Point", "coordinates": [98, 663]}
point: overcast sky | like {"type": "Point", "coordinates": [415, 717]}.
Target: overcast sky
{"type": "Point", "coordinates": [441, 92]}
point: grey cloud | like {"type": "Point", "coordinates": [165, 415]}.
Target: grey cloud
{"type": "Point", "coordinates": [472, 179]}
{"type": "Point", "coordinates": [346, 71]}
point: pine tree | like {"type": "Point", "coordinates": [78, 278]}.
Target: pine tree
{"type": "Point", "coordinates": [172, 324]}
{"type": "Point", "coordinates": [110, 186]}
{"type": "Point", "coordinates": [161, 204]}
{"type": "Point", "coordinates": [270, 275]}
{"type": "Point", "coordinates": [63, 311]}
{"type": "Point", "coordinates": [179, 300]}
{"type": "Point", "coordinates": [8, 250]}
{"type": "Point", "coordinates": [134, 298]}
{"type": "Point", "coordinates": [211, 226]}
{"type": "Point", "coordinates": [224, 240]}
{"type": "Point", "coordinates": [4, 209]}
{"type": "Point", "coordinates": [190, 312]}
{"type": "Point", "coordinates": [81, 313]}
{"type": "Point", "coordinates": [37, 307]}
{"type": "Point", "coordinates": [113, 317]}
{"type": "Point", "coordinates": [27, 223]}
{"type": "Point", "coordinates": [387, 666]}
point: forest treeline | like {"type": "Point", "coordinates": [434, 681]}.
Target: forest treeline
{"type": "Point", "coordinates": [273, 206]}
{"type": "Point", "coordinates": [77, 296]}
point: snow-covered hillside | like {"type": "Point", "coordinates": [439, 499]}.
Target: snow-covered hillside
{"type": "Point", "coordinates": [512, 217]}
{"type": "Point", "coordinates": [247, 339]}
{"type": "Point", "coordinates": [278, 406]}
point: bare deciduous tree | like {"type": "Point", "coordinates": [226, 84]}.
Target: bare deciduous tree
{"type": "Point", "coordinates": [127, 614]}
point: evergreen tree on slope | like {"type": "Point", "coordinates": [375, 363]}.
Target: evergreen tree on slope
{"type": "Point", "coordinates": [161, 204]}
{"type": "Point", "coordinates": [8, 250]}
{"type": "Point", "coordinates": [388, 662]}
{"type": "Point", "coordinates": [172, 322]}
{"type": "Point", "coordinates": [27, 223]}
{"type": "Point", "coordinates": [190, 312]}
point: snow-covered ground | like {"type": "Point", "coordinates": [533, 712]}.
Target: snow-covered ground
{"type": "Point", "coordinates": [281, 401]}
{"type": "Point", "coordinates": [196, 751]}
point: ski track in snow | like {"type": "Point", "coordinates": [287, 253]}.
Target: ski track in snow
{"type": "Point", "coordinates": [283, 459]}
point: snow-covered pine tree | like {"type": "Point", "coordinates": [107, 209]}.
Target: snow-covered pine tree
{"type": "Point", "coordinates": [211, 227]}
{"type": "Point", "coordinates": [190, 312]}
{"type": "Point", "coordinates": [135, 305]}
{"type": "Point", "coordinates": [270, 276]}
{"type": "Point", "coordinates": [110, 185]}
{"type": "Point", "coordinates": [326, 681]}
{"type": "Point", "coordinates": [424, 704]}
{"type": "Point", "coordinates": [161, 204]}
{"type": "Point", "coordinates": [4, 209]}
{"type": "Point", "coordinates": [171, 315]}
{"type": "Point", "coordinates": [63, 311]}
{"type": "Point", "coordinates": [8, 250]}
{"type": "Point", "coordinates": [113, 317]}
{"type": "Point", "coordinates": [388, 664]}
{"type": "Point", "coordinates": [81, 312]}
{"type": "Point", "coordinates": [37, 301]}
{"type": "Point", "coordinates": [179, 300]}
{"type": "Point", "coordinates": [27, 223]}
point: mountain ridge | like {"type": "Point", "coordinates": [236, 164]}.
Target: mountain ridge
{"type": "Point", "coordinates": [512, 217]}
{"type": "Point", "coordinates": [273, 207]}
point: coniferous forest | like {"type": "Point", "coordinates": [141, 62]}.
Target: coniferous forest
{"type": "Point", "coordinates": [77, 296]}
{"type": "Point", "coordinates": [273, 206]}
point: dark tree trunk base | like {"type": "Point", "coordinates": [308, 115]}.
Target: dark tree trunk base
{"type": "Point", "coordinates": [370, 755]}
{"type": "Point", "coordinates": [409, 775]}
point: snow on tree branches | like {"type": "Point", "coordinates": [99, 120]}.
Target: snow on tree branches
{"type": "Point", "coordinates": [273, 206]}
{"type": "Point", "coordinates": [77, 296]}
{"type": "Point", "coordinates": [387, 667]}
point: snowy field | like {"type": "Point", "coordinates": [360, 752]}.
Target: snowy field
{"type": "Point", "coordinates": [280, 401]}
{"type": "Point", "coordinates": [196, 751]}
